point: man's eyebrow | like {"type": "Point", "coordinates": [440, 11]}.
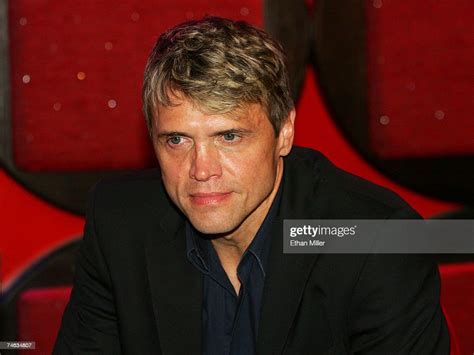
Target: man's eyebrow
{"type": "Point", "coordinates": [171, 134]}
{"type": "Point", "coordinates": [242, 131]}
{"type": "Point", "coordinates": [214, 134]}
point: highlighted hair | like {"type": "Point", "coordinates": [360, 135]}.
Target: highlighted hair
{"type": "Point", "coordinates": [220, 65]}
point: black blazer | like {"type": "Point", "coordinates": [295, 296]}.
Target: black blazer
{"type": "Point", "coordinates": [135, 292]}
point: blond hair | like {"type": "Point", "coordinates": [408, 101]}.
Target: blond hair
{"type": "Point", "coordinates": [220, 65]}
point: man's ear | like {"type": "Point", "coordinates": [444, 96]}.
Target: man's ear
{"type": "Point", "coordinates": [287, 133]}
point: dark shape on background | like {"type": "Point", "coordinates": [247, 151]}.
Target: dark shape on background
{"type": "Point", "coordinates": [54, 269]}
{"type": "Point", "coordinates": [338, 47]}
{"type": "Point", "coordinates": [67, 190]}
{"type": "Point", "coordinates": [289, 22]}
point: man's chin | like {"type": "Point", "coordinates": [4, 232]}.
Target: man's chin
{"type": "Point", "coordinates": [212, 227]}
{"type": "Point", "coordinates": [212, 230]}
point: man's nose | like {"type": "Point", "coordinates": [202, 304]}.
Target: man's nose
{"type": "Point", "coordinates": [205, 163]}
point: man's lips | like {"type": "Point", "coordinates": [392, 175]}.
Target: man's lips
{"type": "Point", "coordinates": [209, 198]}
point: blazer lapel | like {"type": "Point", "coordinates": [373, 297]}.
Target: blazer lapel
{"type": "Point", "coordinates": [175, 288]}
{"type": "Point", "coordinates": [287, 274]}
{"type": "Point", "coordinates": [286, 279]}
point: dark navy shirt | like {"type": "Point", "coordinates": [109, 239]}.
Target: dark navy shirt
{"type": "Point", "coordinates": [230, 321]}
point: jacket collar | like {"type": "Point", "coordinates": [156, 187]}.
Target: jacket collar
{"type": "Point", "coordinates": [176, 286]}
{"type": "Point", "coordinates": [287, 273]}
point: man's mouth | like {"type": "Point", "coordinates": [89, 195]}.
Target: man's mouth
{"type": "Point", "coordinates": [209, 198]}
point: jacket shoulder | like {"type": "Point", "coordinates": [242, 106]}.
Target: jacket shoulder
{"type": "Point", "coordinates": [139, 186]}
{"type": "Point", "coordinates": [345, 195]}
{"type": "Point", "coordinates": [128, 202]}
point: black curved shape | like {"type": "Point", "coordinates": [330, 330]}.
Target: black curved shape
{"type": "Point", "coordinates": [67, 190]}
{"type": "Point", "coordinates": [54, 269]}
{"type": "Point", "coordinates": [289, 22]}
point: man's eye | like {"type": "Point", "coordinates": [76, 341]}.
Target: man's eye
{"type": "Point", "coordinates": [174, 140]}
{"type": "Point", "coordinates": [229, 136]}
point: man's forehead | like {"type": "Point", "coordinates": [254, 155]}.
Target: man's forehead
{"type": "Point", "coordinates": [242, 111]}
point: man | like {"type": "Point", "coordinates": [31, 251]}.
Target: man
{"type": "Point", "coordinates": [188, 259]}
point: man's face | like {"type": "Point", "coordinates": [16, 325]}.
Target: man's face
{"type": "Point", "coordinates": [220, 170]}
